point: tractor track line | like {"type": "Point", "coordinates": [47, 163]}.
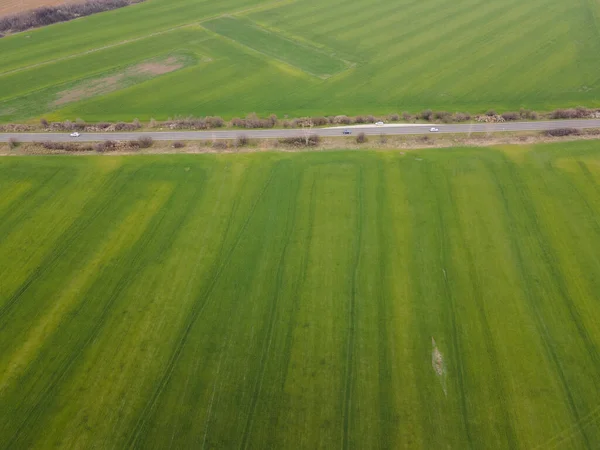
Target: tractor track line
{"type": "Point", "coordinates": [124, 281]}
{"type": "Point", "coordinates": [545, 335]}
{"type": "Point", "coordinates": [68, 237]}
{"type": "Point", "coordinates": [443, 240]}
{"type": "Point", "coordinates": [492, 350]}
{"type": "Point", "coordinates": [386, 411]}
{"type": "Point", "coordinates": [349, 378]}
{"type": "Point", "coordinates": [290, 227]}
{"type": "Point", "coordinates": [194, 314]}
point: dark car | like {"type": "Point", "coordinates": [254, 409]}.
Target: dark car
{"type": "Point", "coordinates": [346, 132]}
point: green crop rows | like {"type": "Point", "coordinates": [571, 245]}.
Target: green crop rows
{"type": "Point", "coordinates": [300, 58]}
{"type": "Point", "coordinates": [290, 300]}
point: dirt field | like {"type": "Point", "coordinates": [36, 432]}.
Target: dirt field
{"type": "Point", "coordinates": [8, 7]}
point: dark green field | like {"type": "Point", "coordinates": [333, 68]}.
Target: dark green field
{"type": "Point", "coordinates": [290, 300]}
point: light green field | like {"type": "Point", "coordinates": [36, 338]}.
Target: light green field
{"type": "Point", "coordinates": [296, 58]}
{"type": "Point", "coordinates": [290, 300]}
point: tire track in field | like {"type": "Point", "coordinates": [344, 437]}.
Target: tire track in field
{"type": "Point", "coordinates": [66, 240]}
{"type": "Point", "coordinates": [441, 228]}
{"type": "Point", "coordinates": [226, 347]}
{"type": "Point", "coordinates": [129, 275]}
{"type": "Point", "coordinates": [218, 382]}
{"type": "Point", "coordinates": [590, 178]}
{"type": "Point", "coordinates": [386, 412]}
{"type": "Point", "coordinates": [225, 234]}
{"type": "Point", "coordinates": [9, 205]}
{"type": "Point", "coordinates": [194, 273]}
{"type": "Point", "coordinates": [290, 227]}
{"type": "Point", "coordinates": [547, 341]}
{"type": "Point", "coordinates": [15, 215]}
{"type": "Point", "coordinates": [588, 174]}
{"type": "Point", "coordinates": [347, 405]}
{"type": "Point", "coordinates": [552, 262]}
{"type": "Point", "coordinates": [490, 345]}
{"type": "Point", "coordinates": [195, 312]}
{"type": "Point", "coordinates": [568, 433]}
{"type": "Point", "coordinates": [302, 279]}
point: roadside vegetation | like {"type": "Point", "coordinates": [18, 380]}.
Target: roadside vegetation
{"type": "Point", "coordinates": [300, 143]}
{"type": "Point", "coordinates": [48, 15]}
{"type": "Point", "coordinates": [253, 121]}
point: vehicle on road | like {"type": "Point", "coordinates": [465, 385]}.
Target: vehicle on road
{"type": "Point", "coordinates": [378, 124]}
{"type": "Point", "coordinates": [346, 132]}
{"type": "Point", "coordinates": [75, 134]}
{"type": "Point", "coordinates": [434, 129]}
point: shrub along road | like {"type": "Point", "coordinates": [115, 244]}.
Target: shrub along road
{"type": "Point", "coordinates": [324, 132]}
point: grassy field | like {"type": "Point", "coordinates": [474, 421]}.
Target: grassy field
{"type": "Point", "coordinates": [305, 58]}
{"type": "Point", "coordinates": [290, 300]}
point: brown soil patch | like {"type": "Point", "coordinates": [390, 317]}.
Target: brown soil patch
{"type": "Point", "coordinates": [105, 85]}
{"type": "Point", "coordinates": [8, 7]}
{"type": "Point", "coordinates": [91, 89]}
{"type": "Point", "coordinates": [158, 68]}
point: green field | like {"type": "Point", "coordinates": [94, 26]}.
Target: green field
{"type": "Point", "coordinates": [290, 300]}
{"type": "Point", "coordinates": [296, 58]}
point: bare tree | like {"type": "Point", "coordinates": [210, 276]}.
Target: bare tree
{"type": "Point", "coordinates": [307, 126]}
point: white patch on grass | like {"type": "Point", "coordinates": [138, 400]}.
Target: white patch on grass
{"type": "Point", "coordinates": [439, 367]}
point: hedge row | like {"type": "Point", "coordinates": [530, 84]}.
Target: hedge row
{"type": "Point", "coordinates": [253, 121]}
{"type": "Point", "coordinates": [47, 15]}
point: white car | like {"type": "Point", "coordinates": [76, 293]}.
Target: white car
{"type": "Point", "coordinates": [434, 129]}
{"type": "Point", "coordinates": [379, 124]}
{"type": "Point", "coordinates": [75, 134]}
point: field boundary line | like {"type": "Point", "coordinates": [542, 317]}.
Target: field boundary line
{"type": "Point", "coordinates": [265, 7]}
{"type": "Point", "coordinates": [298, 40]}
{"type": "Point", "coordinates": [304, 44]}
{"type": "Point", "coordinates": [263, 54]}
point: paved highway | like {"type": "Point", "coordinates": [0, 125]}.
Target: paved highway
{"type": "Point", "coordinates": [388, 129]}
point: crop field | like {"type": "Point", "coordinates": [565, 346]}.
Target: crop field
{"type": "Point", "coordinates": [433, 299]}
{"type": "Point", "coordinates": [296, 58]}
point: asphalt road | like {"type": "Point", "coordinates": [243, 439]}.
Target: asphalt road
{"type": "Point", "coordinates": [388, 129]}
